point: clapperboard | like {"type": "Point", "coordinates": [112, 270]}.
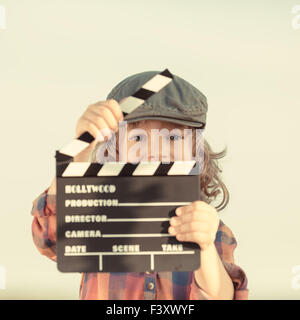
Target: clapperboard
{"type": "Point", "coordinates": [114, 216]}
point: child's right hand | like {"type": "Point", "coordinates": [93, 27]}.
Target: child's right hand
{"type": "Point", "coordinates": [99, 120]}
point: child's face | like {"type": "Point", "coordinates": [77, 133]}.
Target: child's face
{"type": "Point", "coordinates": [155, 140]}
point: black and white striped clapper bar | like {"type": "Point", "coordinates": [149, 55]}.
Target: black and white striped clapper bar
{"type": "Point", "coordinates": [114, 216]}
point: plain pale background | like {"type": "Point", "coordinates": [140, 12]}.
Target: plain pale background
{"type": "Point", "coordinates": [57, 57]}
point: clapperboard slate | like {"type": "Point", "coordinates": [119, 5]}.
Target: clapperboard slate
{"type": "Point", "coordinates": [114, 216]}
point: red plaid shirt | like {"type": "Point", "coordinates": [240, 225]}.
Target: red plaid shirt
{"type": "Point", "coordinates": [136, 285]}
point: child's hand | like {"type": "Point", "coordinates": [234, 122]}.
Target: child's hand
{"type": "Point", "coordinates": [100, 120]}
{"type": "Point", "coordinates": [197, 222]}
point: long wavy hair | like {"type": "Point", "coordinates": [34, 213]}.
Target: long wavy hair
{"type": "Point", "coordinates": [211, 184]}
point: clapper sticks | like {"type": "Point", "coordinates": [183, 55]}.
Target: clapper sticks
{"type": "Point", "coordinates": [114, 216]}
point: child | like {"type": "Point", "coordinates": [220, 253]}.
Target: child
{"type": "Point", "coordinates": [177, 106]}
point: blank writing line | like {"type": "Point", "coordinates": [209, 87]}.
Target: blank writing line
{"type": "Point", "coordinates": [128, 253]}
{"type": "Point", "coordinates": [137, 204]}
{"type": "Point", "coordinates": [130, 235]}
{"type": "Point", "coordinates": [137, 219]}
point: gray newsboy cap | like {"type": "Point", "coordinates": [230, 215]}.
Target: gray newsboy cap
{"type": "Point", "coordinates": [177, 102]}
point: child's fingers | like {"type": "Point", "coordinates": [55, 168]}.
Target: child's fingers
{"type": "Point", "coordinates": [84, 125]}
{"type": "Point", "coordinates": [115, 108]}
{"type": "Point", "coordinates": [197, 237]}
{"type": "Point", "coordinates": [112, 105]}
{"type": "Point", "coordinates": [101, 121]}
{"type": "Point", "coordinates": [190, 216]}
{"type": "Point", "coordinates": [182, 210]}
{"type": "Point", "coordinates": [194, 206]}
{"type": "Point", "coordinates": [190, 227]}
{"type": "Point", "coordinates": [102, 113]}
{"type": "Point", "coordinates": [98, 129]}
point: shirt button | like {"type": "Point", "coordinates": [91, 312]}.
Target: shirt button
{"type": "Point", "coordinates": [150, 285]}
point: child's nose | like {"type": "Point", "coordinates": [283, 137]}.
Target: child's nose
{"type": "Point", "coordinates": [155, 152]}
{"type": "Point", "coordinates": [160, 157]}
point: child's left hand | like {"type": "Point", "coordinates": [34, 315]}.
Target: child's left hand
{"type": "Point", "coordinates": [197, 222]}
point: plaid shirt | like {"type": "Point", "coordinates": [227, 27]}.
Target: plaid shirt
{"type": "Point", "coordinates": [136, 285]}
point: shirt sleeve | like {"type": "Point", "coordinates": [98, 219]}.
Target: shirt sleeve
{"type": "Point", "coordinates": [225, 243]}
{"type": "Point", "coordinates": [44, 224]}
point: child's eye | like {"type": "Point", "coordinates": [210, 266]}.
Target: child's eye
{"type": "Point", "coordinates": [137, 138]}
{"type": "Point", "coordinates": [175, 137]}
